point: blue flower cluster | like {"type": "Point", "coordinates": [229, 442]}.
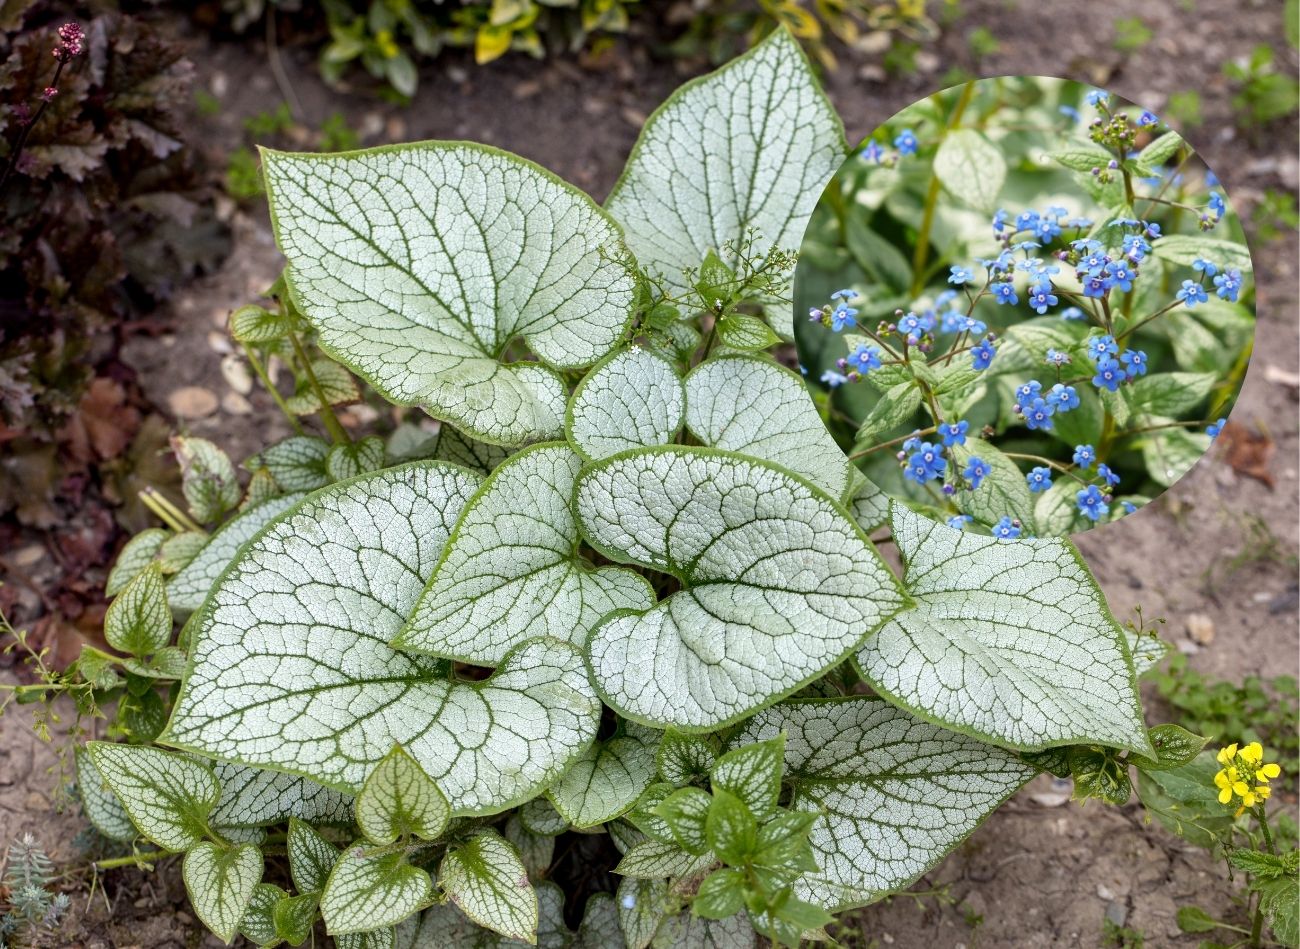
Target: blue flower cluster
{"type": "Point", "coordinates": [1037, 407]}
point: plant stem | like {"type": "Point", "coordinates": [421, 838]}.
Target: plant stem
{"type": "Point", "coordinates": [167, 512]}
{"type": "Point", "coordinates": [270, 387]}
{"type": "Point", "coordinates": [27, 130]}
{"type": "Point", "coordinates": [932, 198]}
{"type": "Point", "coordinates": [892, 441]}
{"type": "Point", "coordinates": [134, 860]}
{"type": "Point", "coordinates": [327, 416]}
{"type": "Point", "coordinates": [1063, 469]}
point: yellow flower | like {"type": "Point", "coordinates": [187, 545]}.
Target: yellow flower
{"type": "Point", "coordinates": [1270, 770]}
{"type": "Point", "coordinates": [1245, 775]}
{"type": "Point", "coordinates": [1227, 754]}
{"type": "Point", "coordinates": [1253, 753]}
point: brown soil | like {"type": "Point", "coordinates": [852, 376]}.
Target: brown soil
{"type": "Point", "coordinates": [1041, 872]}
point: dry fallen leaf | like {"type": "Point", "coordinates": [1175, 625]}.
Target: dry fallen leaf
{"type": "Point", "coordinates": [1248, 452]}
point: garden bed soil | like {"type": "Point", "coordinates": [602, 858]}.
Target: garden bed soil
{"type": "Point", "coordinates": [1042, 872]}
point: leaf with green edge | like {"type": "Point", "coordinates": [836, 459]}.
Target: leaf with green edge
{"type": "Point", "coordinates": [385, 938]}
{"type": "Point", "coordinates": [1170, 393]}
{"type": "Point", "coordinates": [684, 759]}
{"type": "Point", "coordinates": [687, 931]}
{"type": "Point", "coordinates": [751, 145]}
{"type": "Point", "coordinates": [398, 798]}
{"type": "Point", "coordinates": [254, 325]}
{"type": "Point", "coordinates": [1266, 866]}
{"type": "Point", "coordinates": [166, 663]}
{"type": "Point", "coordinates": [752, 406]}
{"type": "Point", "coordinates": [536, 851]}
{"type": "Point", "coordinates": [1170, 452]}
{"type": "Point", "coordinates": [1185, 249]}
{"type": "Point", "coordinates": [606, 780]}
{"type": "Point", "coordinates": [715, 282]}
{"type": "Point", "coordinates": [135, 555]}
{"type": "Point", "coordinates": [296, 464]}
{"type": "Point", "coordinates": [1056, 513]}
{"type": "Point", "coordinates": [1081, 156]}
{"type": "Point", "coordinates": [1116, 403]}
{"type": "Point", "coordinates": [1175, 746]}
{"type": "Point", "coordinates": [188, 588]}
{"type": "Point", "coordinates": [1009, 642]}
{"type": "Point", "coordinates": [629, 399]}
{"type": "Point", "coordinates": [1100, 773]}
{"type": "Point", "coordinates": [419, 264]}
{"type": "Point", "coordinates": [354, 458]}
{"type": "Point", "coordinates": [511, 572]}
{"type": "Point", "coordinates": [970, 168]}
{"type": "Point", "coordinates": [459, 448]}
{"type": "Point", "coordinates": [311, 856]}
{"type": "Point", "coordinates": [780, 584]}
{"type": "Point", "coordinates": [643, 815]}
{"type": "Point", "coordinates": [261, 488]}
{"type": "Point", "coordinates": [167, 796]}
{"type": "Point", "coordinates": [745, 332]}
{"type": "Point", "coordinates": [220, 882]}
{"type": "Point", "coordinates": [294, 917]}
{"type": "Point", "coordinates": [336, 385]}
{"type": "Point", "coordinates": [257, 925]}
{"type": "Point", "coordinates": [283, 674]}
{"type": "Point", "coordinates": [139, 621]}
{"type": "Point", "coordinates": [444, 926]}
{"type": "Point", "coordinates": [540, 816]}
{"type": "Point", "coordinates": [98, 802]}
{"type": "Point", "coordinates": [721, 894]}
{"type": "Point", "coordinates": [655, 860]}
{"type": "Point", "coordinates": [895, 794]}
{"type": "Point", "coordinates": [1185, 800]}
{"type": "Point", "coordinates": [895, 407]}
{"type": "Point", "coordinates": [208, 479]}
{"type": "Point", "coordinates": [685, 811]}
{"type": "Point", "coordinates": [486, 880]}
{"type": "Point", "coordinates": [640, 909]}
{"type": "Point", "coordinates": [1003, 492]}
{"type": "Point", "coordinates": [730, 829]}
{"type": "Point", "coordinates": [867, 503]}
{"type": "Point", "coordinates": [370, 892]}
{"type": "Point", "coordinates": [1162, 149]}
{"type": "Point", "coordinates": [753, 774]}
{"type": "Point", "coordinates": [142, 715]}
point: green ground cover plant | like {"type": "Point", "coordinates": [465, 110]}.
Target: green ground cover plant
{"type": "Point", "coordinates": [623, 589]}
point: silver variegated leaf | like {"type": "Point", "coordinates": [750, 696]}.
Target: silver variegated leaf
{"type": "Point", "coordinates": [631, 399]}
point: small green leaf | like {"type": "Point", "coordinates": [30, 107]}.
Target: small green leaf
{"type": "Point", "coordinates": [1162, 149]}
{"type": "Point", "coordinates": [294, 916]}
{"type": "Point", "coordinates": [607, 779]}
{"type": "Point", "coordinates": [895, 407]}
{"type": "Point", "coordinates": [753, 774]}
{"type": "Point", "coordinates": [685, 759]}
{"type": "Point", "coordinates": [730, 829]}
{"type": "Point", "coordinates": [220, 882]}
{"type": "Point", "coordinates": [1175, 746]}
{"type": "Point", "coordinates": [1185, 800]}
{"type": "Point", "coordinates": [783, 842]}
{"type": "Point", "coordinates": [143, 715]}
{"type": "Point", "coordinates": [168, 796]}
{"type": "Point", "coordinates": [297, 463]}
{"type": "Point", "coordinates": [655, 859]}
{"type": "Point", "coordinates": [1277, 900]}
{"type": "Point", "coordinates": [365, 893]}
{"type": "Point", "coordinates": [970, 168]}
{"type": "Point", "coordinates": [398, 798]}
{"type": "Point", "coordinates": [1193, 919]}
{"type": "Point", "coordinates": [348, 461]}
{"type": "Point", "coordinates": [1082, 156]}
{"type": "Point", "coordinates": [1185, 249]}
{"type": "Point", "coordinates": [311, 856]}
{"type": "Point", "coordinates": [684, 812]}
{"type": "Point", "coordinates": [137, 553]}
{"type": "Point", "coordinates": [742, 331]}
{"type": "Point", "coordinates": [336, 384]}
{"type": "Point", "coordinates": [1099, 773]}
{"type": "Point", "coordinates": [1170, 393]}
{"type": "Point", "coordinates": [139, 620]}
{"type": "Point", "coordinates": [716, 281]}
{"type": "Point", "coordinates": [485, 878]}
{"type": "Point", "coordinates": [1265, 866]}
{"type": "Point", "coordinates": [722, 894]}
{"type": "Point", "coordinates": [254, 325]}
{"type": "Point", "coordinates": [1170, 452]}
{"type": "Point", "coordinates": [208, 479]}
{"type": "Point", "coordinates": [258, 922]}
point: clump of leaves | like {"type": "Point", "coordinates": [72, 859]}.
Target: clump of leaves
{"type": "Point", "coordinates": [623, 585]}
{"type": "Point", "coordinates": [33, 908]}
{"type": "Point", "coordinates": [1263, 93]}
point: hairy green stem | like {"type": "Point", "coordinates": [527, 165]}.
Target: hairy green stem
{"type": "Point", "coordinates": [265, 378]}
{"type": "Point", "coordinates": [331, 421]}
{"type": "Point", "coordinates": [932, 198]}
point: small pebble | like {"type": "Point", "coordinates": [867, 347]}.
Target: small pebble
{"type": "Point", "coordinates": [191, 402]}
{"type": "Point", "coordinates": [1201, 628]}
{"type": "Point", "coordinates": [237, 375]}
{"type": "Point", "coordinates": [235, 404]}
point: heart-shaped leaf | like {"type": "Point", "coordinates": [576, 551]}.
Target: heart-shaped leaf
{"type": "Point", "coordinates": [779, 584]}
{"type": "Point", "coordinates": [895, 793]}
{"type": "Point", "coordinates": [757, 408]}
{"type": "Point", "coordinates": [399, 798]}
{"type": "Point", "coordinates": [419, 264]}
{"type": "Point", "coordinates": [99, 803]}
{"type": "Point", "coordinates": [311, 856]}
{"type": "Point", "coordinates": [136, 554]}
{"type": "Point", "coordinates": [364, 893]}
{"type": "Point", "coordinates": [291, 666]}
{"type": "Point", "coordinates": [751, 145]}
{"type": "Point", "coordinates": [186, 590]}
{"type": "Point", "coordinates": [607, 779]}
{"type": "Point", "coordinates": [510, 571]}
{"type": "Point", "coordinates": [486, 880]}
{"type": "Point", "coordinates": [1011, 642]}
{"type": "Point", "coordinates": [167, 796]}
{"type": "Point", "coordinates": [220, 882]}
{"type": "Point", "coordinates": [631, 399]}
{"type": "Point", "coordinates": [139, 620]}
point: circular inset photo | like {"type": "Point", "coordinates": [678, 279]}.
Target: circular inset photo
{"type": "Point", "coordinates": [1031, 304]}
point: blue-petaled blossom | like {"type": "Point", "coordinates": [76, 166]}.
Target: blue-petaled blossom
{"type": "Point", "coordinates": [872, 152]}
{"type": "Point", "coordinates": [847, 294]}
{"type": "Point", "coordinates": [1128, 506]}
{"type": "Point", "coordinates": [1026, 392]}
{"type": "Point", "coordinates": [1055, 357]}
{"type": "Point", "coordinates": [1097, 97]}
{"type": "Point", "coordinates": [912, 443]}
{"type": "Point", "coordinates": [1005, 294]}
{"type": "Point", "coordinates": [1125, 222]}
{"type": "Point", "coordinates": [959, 521]}
{"type": "Point", "coordinates": [1084, 456]}
{"type": "Point", "coordinates": [1038, 415]}
{"type": "Point", "coordinates": [1027, 220]}
{"type": "Point", "coordinates": [959, 275]}
{"type": "Point", "coordinates": [1063, 397]}
{"type": "Point", "coordinates": [1151, 229]}
{"type": "Point", "coordinates": [1109, 374]}
{"type": "Point", "coordinates": [1006, 529]}
{"type": "Point", "coordinates": [1148, 118]}
{"type": "Point", "coordinates": [1135, 247]}
{"type": "Point", "coordinates": [1026, 246]}
{"type": "Point", "coordinates": [954, 433]}
{"type": "Point", "coordinates": [1085, 245]}
{"type": "Point", "coordinates": [952, 321]}
{"type": "Point", "coordinates": [1135, 363]}
{"type": "Point", "coordinates": [842, 317]}
{"type": "Point", "coordinates": [834, 379]}
{"type": "Point", "coordinates": [1101, 347]}
{"type": "Point", "coordinates": [1096, 286]}
{"type": "Point", "coordinates": [1192, 293]}
{"type": "Point", "coordinates": [999, 220]}
{"type": "Point", "coordinates": [1228, 285]}
{"type": "Point", "coordinates": [1216, 205]}
{"type": "Point", "coordinates": [1106, 474]}
{"type": "Point", "coordinates": [816, 315]}
{"type": "Point", "coordinates": [1093, 263]}
{"type": "Point", "coordinates": [1092, 503]}
{"type": "Point", "coordinates": [865, 358]}
{"type": "Point", "coordinates": [909, 324]}
{"type": "Point", "coordinates": [1040, 299]}
{"type": "Point", "coordinates": [925, 464]}
{"type": "Point", "coordinates": [905, 142]}
{"type": "Point", "coordinates": [1122, 274]}
{"type": "Point", "coordinates": [1047, 228]}
{"type": "Point", "coordinates": [977, 469]}
{"type": "Point", "coordinates": [1214, 428]}
{"type": "Point", "coordinates": [1070, 112]}
{"type": "Point", "coordinates": [982, 354]}
{"type": "Point", "coordinates": [1039, 479]}
{"type": "Point", "coordinates": [1201, 265]}
{"type": "Point", "coordinates": [1073, 313]}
